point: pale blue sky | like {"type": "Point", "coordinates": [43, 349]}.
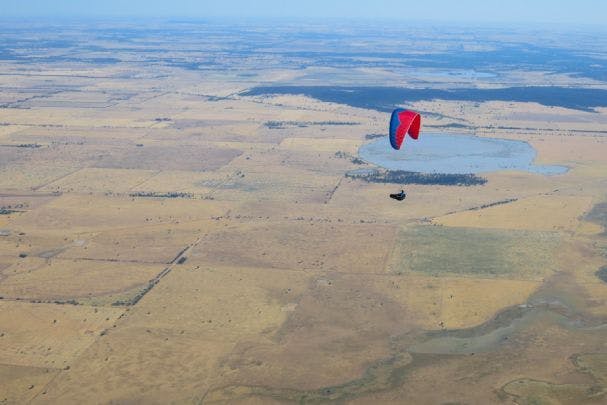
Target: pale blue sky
{"type": "Point", "coordinates": [554, 11]}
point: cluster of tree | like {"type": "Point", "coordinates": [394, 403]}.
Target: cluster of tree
{"type": "Point", "coordinates": [406, 177]}
{"type": "Point", "coordinates": [342, 155]}
{"type": "Point", "coordinates": [345, 155]}
{"type": "Point", "coordinates": [493, 204]}
{"type": "Point", "coordinates": [68, 302]}
{"type": "Point", "coordinates": [136, 298]}
{"type": "Point", "coordinates": [304, 124]}
{"type": "Point", "coordinates": [152, 194]}
{"type": "Point", "coordinates": [384, 98]}
{"type": "Point", "coordinates": [27, 145]}
{"type": "Point", "coordinates": [374, 136]}
{"type": "Point", "coordinates": [451, 125]}
{"type": "Point", "coordinates": [18, 206]}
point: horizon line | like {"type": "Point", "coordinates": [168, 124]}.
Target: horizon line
{"type": "Point", "coordinates": [176, 19]}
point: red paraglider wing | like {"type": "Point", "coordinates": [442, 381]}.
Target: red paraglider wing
{"type": "Point", "coordinates": [403, 122]}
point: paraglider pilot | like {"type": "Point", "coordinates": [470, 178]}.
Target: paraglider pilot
{"type": "Point", "coordinates": [399, 196]}
{"type": "Point", "coordinates": [403, 122]}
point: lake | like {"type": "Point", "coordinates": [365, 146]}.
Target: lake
{"type": "Point", "coordinates": [460, 154]}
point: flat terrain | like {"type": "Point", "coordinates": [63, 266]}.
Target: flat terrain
{"type": "Point", "coordinates": [177, 226]}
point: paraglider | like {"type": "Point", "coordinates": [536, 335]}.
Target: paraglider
{"type": "Point", "coordinates": [403, 122]}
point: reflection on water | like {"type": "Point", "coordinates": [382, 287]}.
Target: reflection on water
{"type": "Point", "coordinates": [439, 153]}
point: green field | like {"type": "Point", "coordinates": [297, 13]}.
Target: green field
{"type": "Point", "coordinates": [437, 250]}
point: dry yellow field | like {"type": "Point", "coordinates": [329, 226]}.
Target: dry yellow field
{"type": "Point", "coordinates": [63, 280]}
{"type": "Point", "coordinates": [20, 384]}
{"type": "Point", "coordinates": [320, 145]}
{"type": "Point", "coordinates": [219, 307]}
{"type": "Point", "coordinates": [19, 177]}
{"type": "Point", "coordinates": [541, 213]}
{"type": "Point", "coordinates": [455, 303]}
{"type": "Point", "coordinates": [85, 213]}
{"type": "Point", "coordinates": [95, 180]}
{"type": "Point", "coordinates": [299, 244]}
{"type": "Point", "coordinates": [50, 335]}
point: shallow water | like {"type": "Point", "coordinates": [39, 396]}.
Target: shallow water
{"type": "Point", "coordinates": [456, 73]}
{"type": "Point", "coordinates": [460, 154]}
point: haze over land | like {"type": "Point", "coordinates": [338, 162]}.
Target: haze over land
{"type": "Point", "coordinates": [398, 12]}
{"type": "Point", "coordinates": [183, 216]}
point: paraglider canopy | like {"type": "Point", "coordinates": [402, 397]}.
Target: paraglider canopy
{"type": "Point", "coordinates": [403, 122]}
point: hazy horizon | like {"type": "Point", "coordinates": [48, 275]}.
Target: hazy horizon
{"type": "Point", "coordinates": [583, 12]}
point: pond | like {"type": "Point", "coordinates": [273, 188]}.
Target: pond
{"type": "Point", "coordinates": [459, 154]}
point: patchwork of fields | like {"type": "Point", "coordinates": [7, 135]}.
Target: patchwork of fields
{"type": "Point", "coordinates": [165, 237]}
